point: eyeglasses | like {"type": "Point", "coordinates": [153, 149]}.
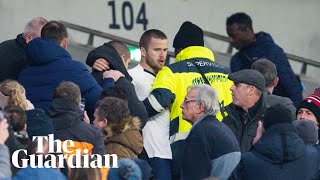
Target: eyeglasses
{"type": "Point", "coordinates": [189, 101]}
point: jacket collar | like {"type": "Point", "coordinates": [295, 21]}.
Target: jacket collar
{"type": "Point", "coordinates": [195, 52]}
{"type": "Point", "coordinates": [254, 110]}
{"type": "Point", "coordinates": [21, 41]}
{"type": "Point", "coordinates": [64, 113]}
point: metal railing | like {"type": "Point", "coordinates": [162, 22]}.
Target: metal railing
{"type": "Point", "coordinates": [302, 60]}
{"type": "Point", "coordinates": [93, 33]}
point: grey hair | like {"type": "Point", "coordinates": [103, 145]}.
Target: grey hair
{"type": "Point", "coordinates": [34, 26]}
{"type": "Point", "coordinates": [208, 96]}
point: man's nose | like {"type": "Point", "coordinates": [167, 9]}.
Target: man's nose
{"type": "Point", "coordinates": [232, 88]}
{"type": "Point", "coordinates": [303, 116]}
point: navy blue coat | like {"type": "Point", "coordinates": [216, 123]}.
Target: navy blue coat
{"type": "Point", "coordinates": [51, 64]}
{"type": "Point", "coordinates": [264, 47]}
{"type": "Point", "coordinates": [279, 154]}
{"type": "Point", "coordinates": [211, 150]}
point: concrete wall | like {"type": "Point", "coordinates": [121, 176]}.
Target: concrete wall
{"type": "Point", "coordinates": [292, 23]}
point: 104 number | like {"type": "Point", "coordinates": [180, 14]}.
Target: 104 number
{"type": "Point", "coordinates": [127, 10]}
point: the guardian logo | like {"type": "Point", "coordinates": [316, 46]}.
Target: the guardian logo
{"type": "Point", "coordinates": [64, 151]}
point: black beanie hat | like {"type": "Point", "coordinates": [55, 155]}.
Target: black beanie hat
{"type": "Point", "coordinates": [276, 114]}
{"type": "Point", "coordinates": [189, 34]}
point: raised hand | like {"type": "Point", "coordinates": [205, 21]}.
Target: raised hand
{"type": "Point", "coordinates": [101, 65]}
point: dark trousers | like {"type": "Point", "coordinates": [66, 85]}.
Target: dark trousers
{"type": "Point", "coordinates": [162, 167]}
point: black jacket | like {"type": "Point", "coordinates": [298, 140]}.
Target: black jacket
{"type": "Point", "coordinates": [68, 124]}
{"type": "Point", "coordinates": [106, 51]}
{"type": "Point", "coordinates": [244, 125]}
{"type": "Point", "coordinates": [279, 154]}
{"type": "Point", "coordinates": [12, 58]}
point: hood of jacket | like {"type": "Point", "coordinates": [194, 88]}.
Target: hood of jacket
{"type": "Point", "coordinates": [195, 52]}
{"type": "Point", "coordinates": [280, 144]}
{"type": "Point", "coordinates": [125, 133]}
{"type": "Point", "coordinates": [43, 51]}
{"type": "Point", "coordinates": [108, 52]}
{"type": "Point", "coordinates": [64, 113]}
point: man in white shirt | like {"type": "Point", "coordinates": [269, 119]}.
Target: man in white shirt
{"type": "Point", "coordinates": [153, 46]}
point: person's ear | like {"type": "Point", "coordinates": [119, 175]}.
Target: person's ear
{"type": "Point", "coordinates": [143, 52]}
{"type": "Point", "coordinates": [64, 43]}
{"type": "Point", "coordinates": [123, 58]}
{"type": "Point", "coordinates": [251, 90]}
{"type": "Point", "coordinates": [25, 127]}
{"type": "Point", "coordinates": [276, 81]}
{"type": "Point", "coordinates": [28, 38]}
{"type": "Point", "coordinates": [247, 30]}
{"type": "Point", "coordinates": [105, 123]}
{"type": "Point", "coordinates": [201, 107]}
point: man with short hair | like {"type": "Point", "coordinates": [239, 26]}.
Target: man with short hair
{"type": "Point", "coordinates": [193, 63]}
{"type": "Point", "coordinates": [109, 58]}
{"type": "Point", "coordinates": [211, 148]}
{"type": "Point", "coordinates": [123, 52]}
{"type": "Point", "coordinates": [13, 52]}
{"type": "Point", "coordinates": [153, 47]}
{"type": "Point", "coordinates": [250, 101]}
{"type": "Point", "coordinates": [122, 135]}
{"type": "Point", "coordinates": [102, 64]}
{"type": "Point", "coordinates": [269, 70]}
{"type": "Point", "coordinates": [252, 47]}
{"type": "Point", "coordinates": [67, 119]}
{"type": "Point", "coordinates": [50, 64]}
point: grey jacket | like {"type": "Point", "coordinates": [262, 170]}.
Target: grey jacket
{"type": "Point", "coordinates": [5, 166]}
{"type": "Point", "coordinates": [244, 125]}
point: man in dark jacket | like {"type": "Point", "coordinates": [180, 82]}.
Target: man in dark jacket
{"type": "Point", "coordinates": [67, 120]}
{"type": "Point", "coordinates": [261, 45]}
{"type": "Point", "coordinates": [108, 53]}
{"type": "Point", "coordinates": [280, 153]}
{"type": "Point", "coordinates": [51, 64]}
{"type": "Point", "coordinates": [249, 104]}
{"type": "Point", "coordinates": [13, 52]}
{"type": "Point", "coordinates": [211, 148]}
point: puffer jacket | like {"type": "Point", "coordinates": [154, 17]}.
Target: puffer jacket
{"type": "Point", "coordinates": [280, 154]}
{"type": "Point", "coordinates": [50, 64]}
{"type": "Point", "coordinates": [124, 139]}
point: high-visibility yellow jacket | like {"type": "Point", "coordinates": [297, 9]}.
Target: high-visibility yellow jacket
{"type": "Point", "coordinates": [171, 83]}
